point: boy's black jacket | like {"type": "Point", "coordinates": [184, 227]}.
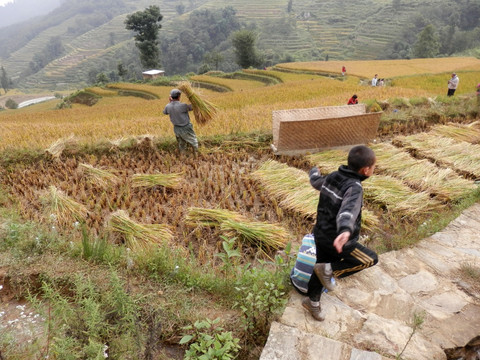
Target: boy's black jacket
{"type": "Point", "coordinates": [340, 204]}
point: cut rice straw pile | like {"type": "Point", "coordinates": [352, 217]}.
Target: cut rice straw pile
{"type": "Point", "coordinates": [63, 208]}
{"type": "Point", "coordinates": [58, 146]}
{"type": "Point", "coordinates": [469, 133]}
{"type": "Point", "coordinates": [292, 188]}
{"type": "Point", "coordinates": [458, 155]}
{"type": "Point", "coordinates": [397, 197]}
{"type": "Point", "coordinates": [263, 235]}
{"type": "Point", "coordinates": [138, 236]}
{"type": "Point", "coordinates": [102, 178]}
{"type": "Point", "coordinates": [150, 180]}
{"type": "Point", "coordinates": [423, 175]}
{"type": "Point", "coordinates": [203, 110]}
{"type": "Point", "coordinates": [387, 191]}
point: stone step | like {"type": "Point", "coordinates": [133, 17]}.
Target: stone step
{"type": "Point", "coordinates": [376, 309]}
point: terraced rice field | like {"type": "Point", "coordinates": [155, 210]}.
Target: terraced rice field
{"type": "Point", "coordinates": [249, 181]}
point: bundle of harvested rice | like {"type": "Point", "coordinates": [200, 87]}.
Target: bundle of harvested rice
{"type": "Point", "coordinates": [150, 180]}
{"type": "Point", "coordinates": [208, 217]}
{"type": "Point", "coordinates": [329, 160]}
{"type": "Point", "coordinates": [292, 188]}
{"type": "Point", "coordinates": [260, 234]}
{"type": "Point", "coordinates": [424, 175]}
{"type": "Point", "coordinates": [459, 155]}
{"type": "Point", "coordinates": [56, 149]}
{"type": "Point", "coordinates": [138, 236]}
{"type": "Point", "coordinates": [203, 110]}
{"type": "Point", "coordinates": [62, 208]}
{"type": "Point", "coordinates": [289, 185]}
{"type": "Point", "coordinates": [102, 178]}
{"type": "Point", "coordinates": [397, 197]}
{"type": "Point", "coordinates": [469, 133]}
{"type": "Point", "coordinates": [264, 235]}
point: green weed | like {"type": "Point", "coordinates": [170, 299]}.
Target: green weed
{"type": "Point", "coordinates": [25, 239]}
{"type": "Point", "coordinates": [262, 295]}
{"type": "Point", "coordinates": [209, 341]}
{"type": "Point", "coordinates": [417, 322]}
{"type": "Point", "coordinates": [90, 323]}
{"type": "Point", "coordinates": [231, 255]}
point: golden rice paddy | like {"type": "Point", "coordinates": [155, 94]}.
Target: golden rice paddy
{"type": "Point", "coordinates": [144, 196]}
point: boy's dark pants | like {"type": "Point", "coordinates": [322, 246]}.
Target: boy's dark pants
{"type": "Point", "coordinates": [353, 259]}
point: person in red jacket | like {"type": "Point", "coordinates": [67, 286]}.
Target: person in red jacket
{"type": "Point", "coordinates": [353, 100]}
{"type": "Point", "coordinates": [344, 70]}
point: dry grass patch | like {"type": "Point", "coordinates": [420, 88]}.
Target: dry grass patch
{"type": "Point", "coordinates": [470, 273]}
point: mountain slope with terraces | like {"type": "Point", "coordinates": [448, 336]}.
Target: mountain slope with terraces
{"type": "Point", "coordinates": [300, 31]}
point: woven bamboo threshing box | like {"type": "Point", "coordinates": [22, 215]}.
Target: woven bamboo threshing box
{"type": "Point", "coordinates": [299, 131]}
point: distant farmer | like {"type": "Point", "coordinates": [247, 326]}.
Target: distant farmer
{"type": "Point", "coordinates": [353, 100]}
{"type": "Point", "coordinates": [452, 84]}
{"type": "Point", "coordinates": [374, 80]}
{"type": "Point", "coordinates": [344, 70]}
{"type": "Point", "coordinates": [182, 127]}
{"type": "Point", "coordinates": [337, 229]}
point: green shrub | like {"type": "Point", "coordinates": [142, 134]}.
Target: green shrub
{"type": "Point", "coordinates": [262, 295]}
{"type": "Point", "coordinates": [209, 341]}
{"type": "Point", "coordinates": [11, 104]}
{"type": "Point", "coordinates": [90, 322]}
{"type": "Point", "coordinates": [401, 103]}
{"type": "Point", "coordinates": [418, 101]}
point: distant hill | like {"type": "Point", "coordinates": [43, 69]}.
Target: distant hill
{"type": "Point", "coordinates": [80, 39]}
{"type": "Point", "coordinates": [23, 10]}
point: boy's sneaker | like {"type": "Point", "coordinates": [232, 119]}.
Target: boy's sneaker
{"type": "Point", "coordinates": [324, 275]}
{"type": "Point", "coordinates": [314, 310]}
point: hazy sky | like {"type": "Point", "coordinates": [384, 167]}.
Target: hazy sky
{"type": "Point", "coordinates": [3, 2]}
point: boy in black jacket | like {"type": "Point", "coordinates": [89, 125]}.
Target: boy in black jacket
{"type": "Point", "coordinates": [338, 224]}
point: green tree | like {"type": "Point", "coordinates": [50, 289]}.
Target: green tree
{"type": "Point", "coordinates": [146, 24]}
{"type": "Point", "coordinates": [213, 59]}
{"type": "Point", "coordinates": [289, 6]}
{"type": "Point", "coordinates": [180, 9]}
{"type": "Point", "coordinates": [427, 44]}
{"type": "Point", "coordinates": [244, 47]}
{"type": "Point", "coordinates": [11, 104]}
{"type": "Point", "coordinates": [102, 78]}
{"type": "Point", "coordinates": [4, 80]}
{"type": "Point", "coordinates": [122, 71]}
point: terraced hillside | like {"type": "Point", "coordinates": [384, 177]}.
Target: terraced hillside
{"type": "Point", "coordinates": [310, 31]}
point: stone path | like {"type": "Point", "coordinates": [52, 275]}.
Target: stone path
{"type": "Point", "coordinates": [375, 308]}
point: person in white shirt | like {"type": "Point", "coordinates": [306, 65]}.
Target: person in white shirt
{"type": "Point", "coordinates": [374, 80]}
{"type": "Point", "coordinates": [452, 84]}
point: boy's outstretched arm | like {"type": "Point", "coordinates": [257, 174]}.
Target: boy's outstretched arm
{"type": "Point", "coordinates": [316, 179]}
{"type": "Point", "coordinates": [341, 240]}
